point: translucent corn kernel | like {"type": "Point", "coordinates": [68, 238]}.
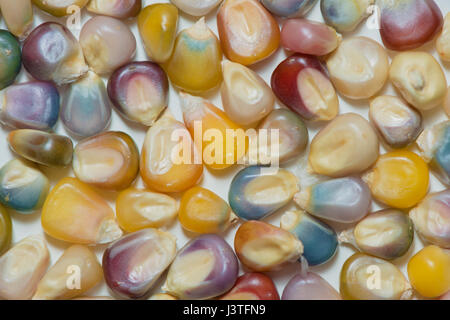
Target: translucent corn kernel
{"type": "Point", "coordinates": [301, 82]}
{"type": "Point", "coordinates": [41, 147]}
{"type": "Point", "coordinates": [386, 234]}
{"type": "Point", "coordinates": [246, 97]}
{"type": "Point", "coordinates": [429, 271]}
{"type": "Point", "coordinates": [158, 28]}
{"type": "Point", "coordinates": [160, 170]}
{"type": "Point", "coordinates": [109, 160]}
{"type": "Point", "coordinates": [215, 272]}
{"type": "Point", "coordinates": [59, 8]}
{"type": "Point", "coordinates": [399, 179]}
{"type": "Point", "coordinates": [263, 247]}
{"type": "Point", "coordinates": [107, 44]}
{"type": "Point", "coordinates": [255, 194]}
{"type": "Point", "coordinates": [368, 278]}
{"type": "Point", "coordinates": [75, 260]}
{"type": "Point", "coordinates": [139, 209]}
{"type": "Point", "coordinates": [196, 8]}
{"type": "Point", "coordinates": [432, 218]}
{"type": "Point", "coordinates": [134, 263]}
{"type": "Point", "coordinates": [253, 286]}
{"type": "Point", "coordinates": [18, 16]}
{"type": "Point", "coordinates": [10, 58]}
{"type": "Point", "coordinates": [419, 78]}
{"type": "Point", "coordinates": [220, 150]}
{"type": "Point", "coordinates": [395, 120]}
{"type": "Point", "coordinates": [202, 211]}
{"type": "Point", "coordinates": [359, 68]}
{"type": "Point", "coordinates": [408, 24]}
{"type": "Point", "coordinates": [195, 62]}
{"type": "Point", "coordinates": [344, 200]}
{"type": "Point", "coordinates": [248, 32]}
{"type": "Point", "coordinates": [5, 230]}
{"type": "Point", "coordinates": [115, 8]}
{"type": "Point", "coordinates": [22, 187]}
{"type": "Point", "coordinates": [443, 41]}
{"type": "Point", "coordinates": [319, 239]}
{"type": "Point", "coordinates": [309, 286]}
{"type": "Point", "coordinates": [347, 145]}
{"type": "Point", "coordinates": [289, 8]}
{"type": "Point", "coordinates": [21, 268]}
{"type": "Point", "coordinates": [345, 15]}
{"type": "Point", "coordinates": [86, 219]}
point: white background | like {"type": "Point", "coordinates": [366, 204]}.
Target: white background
{"type": "Point", "coordinates": [25, 225]}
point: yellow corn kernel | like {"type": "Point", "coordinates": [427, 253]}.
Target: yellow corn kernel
{"type": "Point", "coordinates": [158, 28]}
{"type": "Point", "coordinates": [75, 213]}
{"type": "Point", "coordinates": [140, 209]}
{"type": "Point", "coordinates": [399, 179]}
{"type": "Point", "coordinates": [202, 211]}
{"type": "Point", "coordinates": [429, 271]}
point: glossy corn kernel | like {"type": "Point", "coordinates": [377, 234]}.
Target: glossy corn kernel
{"type": "Point", "coordinates": [369, 278]}
{"type": "Point", "coordinates": [395, 120]}
{"type": "Point", "coordinates": [247, 31]}
{"type": "Point", "coordinates": [120, 9]}
{"type": "Point", "coordinates": [195, 62]}
{"type": "Point", "coordinates": [86, 110]}
{"type": "Point", "coordinates": [419, 78]}
{"type": "Point", "coordinates": [216, 269]}
{"type": "Point", "coordinates": [5, 230]}
{"type": "Point", "coordinates": [386, 234]}
{"type": "Point", "coordinates": [442, 42]}
{"type": "Point", "coordinates": [289, 8]}
{"type": "Point", "coordinates": [138, 91]}
{"type": "Point", "coordinates": [292, 132]}
{"type": "Point", "coordinates": [309, 286]}
{"type": "Point", "coordinates": [399, 179]}
{"type": "Point", "coordinates": [139, 209]}
{"type": "Point", "coordinates": [447, 103]}
{"type": "Point", "coordinates": [196, 8]}
{"type": "Point", "coordinates": [158, 29]}
{"type": "Point", "coordinates": [107, 44]}
{"type": "Point", "coordinates": [134, 263]}
{"type": "Point", "coordinates": [309, 37]}
{"type": "Point", "coordinates": [57, 284]}
{"type": "Point", "coordinates": [301, 82]}
{"type": "Point", "coordinates": [162, 296]}
{"type": "Point", "coordinates": [431, 218]}
{"type": "Point", "coordinates": [344, 200]}
{"type": "Point", "coordinates": [255, 194]}
{"type": "Point", "coordinates": [252, 286]}
{"type": "Point", "coordinates": [10, 58]}
{"type": "Point", "coordinates": [429, 271]}
{"type": "Point", "coordinates": [202, 211]}
{"type": "Point", "coordinates": [52, 53]}
{"type": "Point", "coordinates": [220, 150]}
{"type": "Point", "coordinates": [22, 187]}
{"type": "Point", "coordinates": [246, 97]}
{"type": "Point", "coordinates": [41, 147]}
{"type": "Point", "coordinates": [159, 169]}
{"type": "Point", "coordinates": [347, 145]}
{"type": "Point", "coordinates": [32, 105]}
{"type": "Point", "coordinates": [319, 239]}
{"type": "Point", "coordinates": [408, 24]}
{"type": "Point", "coordinates": [109, 160]}
{"type": "Point", "coordinates": [359, 68]}
{"type": "Point", "coordinates": [59, 8]}
{"type": "Point", "coordinates": [263, 247]}
{"type": "Point", "coordinates": [345, 15]}
{"type": "Point", "coordinates": [18, 16]}
{"type": "Point", "coordinates": [21, 268]}
{"type": "Point", "coordinates": [434, 144]}
{"type": "Point", "coordinates": [86, 219]}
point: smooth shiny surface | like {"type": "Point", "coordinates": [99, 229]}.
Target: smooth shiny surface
{"type": "Point", "coordinates": [41, 147]}
{"type": "Point", "coordinates": [345, 15]}
{"type": "Point", "coordinates": [247, 31]}
{"type": "Point", "coordinates": [86, 110]}
{"type": "Point", "coordinates": [18, 16]}
{"type": "Point", "coordinates": [121, 9]}
{"type": "Point", "coordinates": [301, 82]}
{"type": "Point", "coordinates": [443, 40]}
{"type": "Point", "coordinates": [5, 230]}
{"type": "Point", "coordinates": [196, 8]}
{"type": "Point", "coordinates": [139, 91]}
{"type": "Point", "coordinates": [59, 8]}
{"type": "Point", "coordinates": [309, 286]}
{"type": "Point", "coordinates": [289, 8]}
{"type": "Point", "coordinates": [252, 286]}
{"type": "Point", "coordinates": [52, 53]}
{"type": "Point", "coordinates": [10, 58]}
{"type": "Point", "coordinates": [347, 145]}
